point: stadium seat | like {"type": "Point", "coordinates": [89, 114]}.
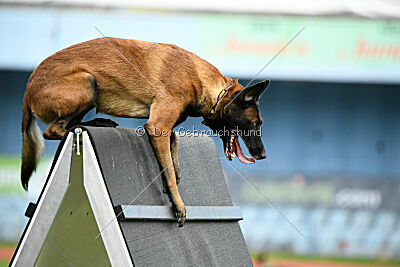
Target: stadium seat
{"type": "Point", "coordinates": [393, 245]}
{"type": "Point", "coordinates": [359, 226]}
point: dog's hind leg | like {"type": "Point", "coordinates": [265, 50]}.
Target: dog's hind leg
{"type": "Point", "coordinates": [65, 101]}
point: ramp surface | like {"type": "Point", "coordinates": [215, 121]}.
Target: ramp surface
{"type": "Point", "coordinates": [128, 165]}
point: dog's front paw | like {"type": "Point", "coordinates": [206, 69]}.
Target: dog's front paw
{"type": "Point", "coordinates": [180, 214]}
{"type": "Point", "coordinates": [101, 122]}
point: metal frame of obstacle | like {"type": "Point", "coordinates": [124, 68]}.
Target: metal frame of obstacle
{"type": "Point", "coordinates": [76, 183]}
{"type": "Point", "coordinates": [164, 213]}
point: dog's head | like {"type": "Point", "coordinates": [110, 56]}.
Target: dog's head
{"type": "Point", "coordinates": [237, 114]}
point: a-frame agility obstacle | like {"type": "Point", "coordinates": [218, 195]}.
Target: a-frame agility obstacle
{"type": "Point", "coordinates": [96, 175]}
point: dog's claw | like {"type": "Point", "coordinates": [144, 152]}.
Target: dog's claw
{"type": "Point", "coordinates": [165, 190]}
{"type": "Point", "coordinates": [180, 215]}
{"type": "Point", "coordinates": [178, 177]}
{"type": "Point", "coordinates": [164, 185]}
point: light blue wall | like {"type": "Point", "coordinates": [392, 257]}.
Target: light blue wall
{"type": "Point", "coordinates": [31, 35]}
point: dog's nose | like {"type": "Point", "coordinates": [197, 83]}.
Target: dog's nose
{"type": "Point", "coordinates": [261, 156]}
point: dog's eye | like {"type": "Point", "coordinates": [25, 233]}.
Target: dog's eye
{"type": "Point", "coordinates": [249, 103]}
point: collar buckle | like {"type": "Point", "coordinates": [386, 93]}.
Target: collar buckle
{"type": "Point", "coordinates": [220, 96]}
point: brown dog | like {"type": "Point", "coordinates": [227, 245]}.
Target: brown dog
{"type": "Point", "coordinates": [162, 82]}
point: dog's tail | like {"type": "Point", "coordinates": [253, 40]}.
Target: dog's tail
{"type": "Point", "coordinates": [32, 144]}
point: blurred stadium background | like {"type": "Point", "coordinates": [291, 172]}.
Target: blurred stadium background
{"type": "Point", "coordinates": [331, 113]}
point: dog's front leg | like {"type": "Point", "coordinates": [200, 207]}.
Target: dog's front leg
{"type": "Point", "coordinates": [174, 154]}
{"type": "Point", "coordinates": [160, 139]}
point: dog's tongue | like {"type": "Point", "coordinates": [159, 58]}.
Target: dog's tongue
{"type": "Point", "coordinates": [239, 153]}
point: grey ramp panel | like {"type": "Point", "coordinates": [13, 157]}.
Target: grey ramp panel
{"type": "Point", "coordinates": [128, 164]}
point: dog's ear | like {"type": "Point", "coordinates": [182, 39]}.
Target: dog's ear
{"type": "Point", "coordinates": [254, 92]}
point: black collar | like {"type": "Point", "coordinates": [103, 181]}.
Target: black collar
{"type": "Point", "coordinates": [220, 96]}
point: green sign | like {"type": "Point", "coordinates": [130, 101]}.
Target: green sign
{"type": "Point", "coordinates": [10, 181]}
{"type": "Point", "coordinates": [328, 45]}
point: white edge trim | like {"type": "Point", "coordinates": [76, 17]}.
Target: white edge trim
{"type": "Point", "coordinates": [103, 210]}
